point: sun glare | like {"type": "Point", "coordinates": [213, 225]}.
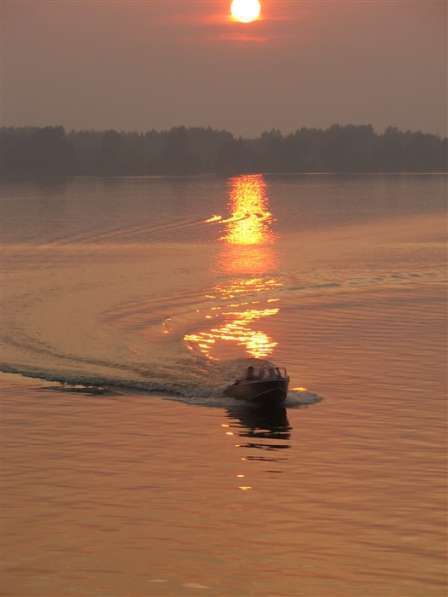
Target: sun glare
{"type": "Point", "coordinates": [245, 11]}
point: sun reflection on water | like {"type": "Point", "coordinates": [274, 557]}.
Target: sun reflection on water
{"type": "Point", "coordinates": [250, 222]}
{"type": "Point", "coordinates": [240, 309]}
{"type": "Point", "coordinates": [248, 253]}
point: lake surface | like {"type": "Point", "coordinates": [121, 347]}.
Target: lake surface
{"type": "Point", "coordinates": [126, 305]}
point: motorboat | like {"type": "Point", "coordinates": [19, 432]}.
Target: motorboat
{"type": "Point", "coordinates": [262, 386]}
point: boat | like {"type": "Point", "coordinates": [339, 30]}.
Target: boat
{"type": "Point", "coordinates": [265, 386]}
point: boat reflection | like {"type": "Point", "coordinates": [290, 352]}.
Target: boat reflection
{"type": "Point", "coordinates": [264, 430]}
{"type": "Point", "coordinates": [250, 296]}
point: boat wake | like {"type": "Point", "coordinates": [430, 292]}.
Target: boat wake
{"type": "Point", "coordinates": [207, 392]}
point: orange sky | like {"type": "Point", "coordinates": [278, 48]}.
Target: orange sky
{"type": "Point", "coordinates": [157, 63]}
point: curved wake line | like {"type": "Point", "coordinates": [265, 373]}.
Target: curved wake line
{"type": "Point", "coordinates": [198, 395]}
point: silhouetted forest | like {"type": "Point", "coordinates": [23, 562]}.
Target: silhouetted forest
{"type": "Point", "coordinates": [51, 151]}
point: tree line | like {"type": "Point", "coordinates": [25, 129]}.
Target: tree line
{"type": "Point", "coordinates": [30, 152]}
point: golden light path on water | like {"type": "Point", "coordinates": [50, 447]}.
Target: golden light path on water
{"type": "Point", "coordinates": [248, 255]}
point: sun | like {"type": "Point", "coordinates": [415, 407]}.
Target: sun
{"type": "Point", "coordinates": [245, 11]}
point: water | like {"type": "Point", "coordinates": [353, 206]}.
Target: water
{"type": "Point", "coordinates": [126, 306]}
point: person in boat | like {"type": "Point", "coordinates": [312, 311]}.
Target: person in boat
{"type": "Point", "coordinates": [250, 374]}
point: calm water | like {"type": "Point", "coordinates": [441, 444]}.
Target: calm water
{"type": "Point", "coordinates": [135, 476]}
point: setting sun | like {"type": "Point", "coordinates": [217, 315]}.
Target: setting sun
{"type": "Point", "coordinates": [245, 11]}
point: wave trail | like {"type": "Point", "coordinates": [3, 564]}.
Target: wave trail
{"type": "Point", "coordinates": [191, 393]}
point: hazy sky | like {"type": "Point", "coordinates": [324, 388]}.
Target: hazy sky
{"type": "Point", "coordinates": [140, 64]}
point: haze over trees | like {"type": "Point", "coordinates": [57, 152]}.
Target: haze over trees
{"type": "Point", "coordinates": [31, 152]}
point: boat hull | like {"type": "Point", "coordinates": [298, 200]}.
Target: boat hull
{"type": "Point", "coordinates": [261, 392]}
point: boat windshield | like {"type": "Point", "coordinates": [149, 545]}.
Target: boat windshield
{"type": "Point", "coordinates": [257, 373]}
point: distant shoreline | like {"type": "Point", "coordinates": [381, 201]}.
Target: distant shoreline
{"type": "Point", "coordinates": [51, 152]}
